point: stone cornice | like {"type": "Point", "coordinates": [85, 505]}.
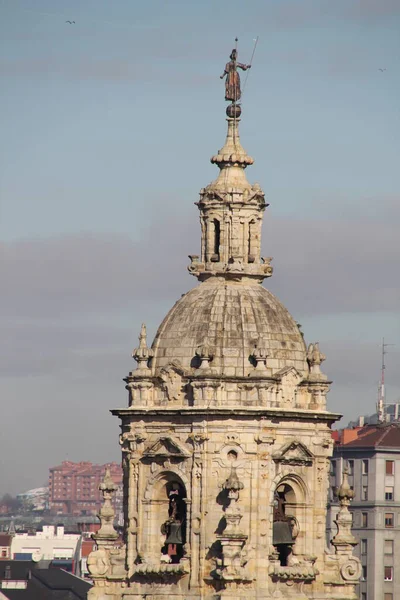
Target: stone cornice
{"type": "Point", "coordinates": [270, 413]}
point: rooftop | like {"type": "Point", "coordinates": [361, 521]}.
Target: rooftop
{"type": "Point", "coordinates": [370, 436]}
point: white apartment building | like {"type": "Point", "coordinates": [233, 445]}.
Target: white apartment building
{"type": "Point", "coordinates": [52, 543]}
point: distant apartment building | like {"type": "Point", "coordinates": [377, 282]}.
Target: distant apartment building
{"type": "Point", "coordinates": [74, 488]}
{"type": "Point", "coordinates": [50, 544]}
{"type": "Point", "coordinates": [372, 456]}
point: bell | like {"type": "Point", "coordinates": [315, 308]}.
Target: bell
{"type": "Point", "coordinates": [282, 533]}
{"type": "Point", "coordinates": [174, 533]}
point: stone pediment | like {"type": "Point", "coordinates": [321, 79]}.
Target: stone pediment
{"type": "Point", "coordinates": [165, 447]}
{"type": "Point", "coordinates": [288, 375]}
{"type": "Point", "coordinates": [294, 453]}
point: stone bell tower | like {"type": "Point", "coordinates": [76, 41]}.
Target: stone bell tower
{"type": "Point", "coordinates": [226, 438]}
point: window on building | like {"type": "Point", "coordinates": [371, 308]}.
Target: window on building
{"type": "Point", "coordinates": [350, 466]}
{"type": "Point", "coordinates": [364, 573]}
{"type": "Point", "coordinates": [388, 596]}
{"type": "Point", "coordinates": [388, 573]}
{"type": "Point", "coordinates": [389, 519]}
{"type": "Point", "coordinates": [217, 236]}
{"type": "Point", "coordinates": [363, 596]}
{"type": "Point", "coordinates": [364, 492]}
{"type": "Point", "coordinates": [389, 492]}
{"type": "Point", "coordinates": [364, 544]}
{"type": "Point", "coordinates": [333, 467]}
{"type": "Point", "coordinates": [365, 467]}
{"type": "Point", "coordinates": [390, 467]}
{"type": "Point", "coordinates": [364, 519]}
{"type": "Point", "coordinates": [388, 547]}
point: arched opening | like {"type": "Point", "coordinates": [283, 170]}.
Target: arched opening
{"type": "Point", "coordinates": [174, 527]}
{"type": "Point", "coordinates": [285, 524]}
{"type": "Point", "coordinates": [166, 519]}
{"type": "Point", "coordinates": [251, 243]}
{"type": "Point", "coordinates": [217, 239]}
{"type": "Point", "coordinates": [232, 455]}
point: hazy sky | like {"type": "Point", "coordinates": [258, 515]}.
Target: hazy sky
{"type": "Point", "coordinates": [107, 130]}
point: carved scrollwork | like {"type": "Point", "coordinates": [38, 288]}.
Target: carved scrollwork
{"type": "Point", "coordinates": [351, 569]}
{"type": "Point", "coordinates": [130, 440]}
{"type": "Point", "coordinates": [172, 382]}
{"type": "Point", "coordinates": [98, 563]}
{"type": "Point", "coordinates": [198, 438]}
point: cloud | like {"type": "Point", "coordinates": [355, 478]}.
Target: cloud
{"type": "Point", "coordinates": [373, 8]}
{"type": "Point", "coordinates": [336, 265]}
{"type": "Point", "coordinates": [340, 264]}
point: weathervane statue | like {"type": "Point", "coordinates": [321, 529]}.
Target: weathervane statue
{"type": "Point", "coordinates": [232, 81]}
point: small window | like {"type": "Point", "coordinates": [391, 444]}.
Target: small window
{"type": "Point", "coordinates": [217, 236]}
{"type": "Point", "coordinates": [365, 467]}
{"type": "Point", "coordinates": [364, 573]}
{"type": "Point", "coordinates": [364, 492]}
{"type": "Point", "coordinates": [350, 466]}
{"type": "Point", "coordinates": [389, 492]}
{"type": "Point", "coordinates": [363, 596]}
{"type": "Point", "coordinates": [388, 573]}
{"type": "Point", "coordinates": [364, 519]}
{"type": "Point", "coordinates": [389, 519]}
{"type": "Point", "coordinates": [388, 547]}
{"type": "Point", "coordinates": [390, 467]}
{"type": "Point", "coordinates": [364, 545]}
{"type": "Point", "coordinates": [333, 467]}
{"type": "Point", "coordinates": [388, 596]}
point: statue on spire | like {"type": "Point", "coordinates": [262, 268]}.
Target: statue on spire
{"type": "Point", "coordinates": [232, 81]}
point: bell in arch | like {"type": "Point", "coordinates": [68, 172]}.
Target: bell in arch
{"type": "Point", "coordinates": [284, 526]}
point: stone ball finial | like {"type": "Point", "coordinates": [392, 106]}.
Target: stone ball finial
{"type": "Point", "coordinates": [233, 111]}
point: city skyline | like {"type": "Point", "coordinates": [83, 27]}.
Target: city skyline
{"type": "Point", "coordinates": [98, 117]}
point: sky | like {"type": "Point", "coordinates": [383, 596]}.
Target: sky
{"type": "Point", "coordinates": [108, 126]}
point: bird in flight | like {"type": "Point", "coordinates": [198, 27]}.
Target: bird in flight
{"type": "Point", "coordinates": [70, 22]}
{"type": "Point", "coordinates": [381, 70]}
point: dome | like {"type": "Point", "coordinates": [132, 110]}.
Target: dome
{"type": "Point", "coordinates": [231, 318]}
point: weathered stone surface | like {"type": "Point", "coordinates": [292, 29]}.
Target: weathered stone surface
{"type": "Point", "coordinates": [250, 315]}
{"type": "Point", "coordinates": [227, 433]}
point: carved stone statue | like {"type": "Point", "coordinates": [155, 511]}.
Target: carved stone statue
{"type": "Point", "coordinates": [232, 81]}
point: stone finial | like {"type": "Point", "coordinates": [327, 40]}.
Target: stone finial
{"type": "Point", "coordinates": [260, 356]}
{"type": "Point", "coordinates": [142, 354]}
{"type": "Point", "coordinates": [233, 483]}
{"type": "Point", "coordinates": [345, 493]}
{"type": "Point", "coordinates": [106, 533]}
{"type": "Point", "coordinates": [205, 354]}
{"type": "Point", "coordinates": [232, 153]}
{"type": "Point", "coordinates": [344, 541]}
{"type": "Point", "coordinates": [233, 514]}
{"type": "Point", "coordinates": [314, 359]}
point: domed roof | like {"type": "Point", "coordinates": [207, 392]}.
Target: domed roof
{"type": "Point", "coordinates": [231, 318]}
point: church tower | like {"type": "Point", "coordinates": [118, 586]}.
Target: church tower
{"type": "Point", "coordinates": [226, 438]}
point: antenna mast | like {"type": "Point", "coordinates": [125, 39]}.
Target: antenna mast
{"type": "Point", "coordinates": [381, 405]}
